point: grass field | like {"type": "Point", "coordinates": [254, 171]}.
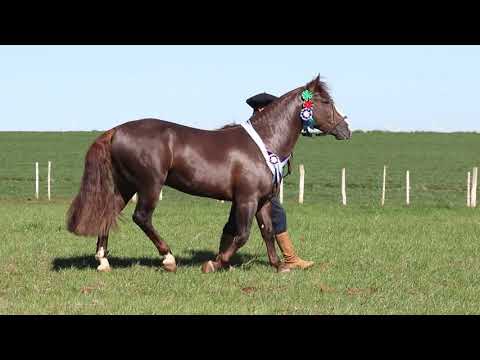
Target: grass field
{"type": "Point", "coordinates": [422, 259]}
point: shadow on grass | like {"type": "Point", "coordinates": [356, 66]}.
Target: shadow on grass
{"type": "Point", "coordinates": [196, 258]}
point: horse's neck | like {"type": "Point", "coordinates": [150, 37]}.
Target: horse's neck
{"type": "Point", "coordinates": [280, 134]}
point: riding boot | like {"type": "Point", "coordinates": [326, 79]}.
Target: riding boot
{"type": "Point", "coordinates": [291, 260]}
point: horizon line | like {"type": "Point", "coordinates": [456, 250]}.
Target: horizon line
{"type": "Point", "coordinates": [353, 131]}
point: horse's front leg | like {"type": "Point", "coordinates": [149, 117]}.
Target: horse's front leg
{"type": "Point", "coordinates": [244, 212]}
{"type": "Point", "coordinates": [264, 220]}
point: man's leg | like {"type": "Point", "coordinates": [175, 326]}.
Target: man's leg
{"type": "Point", "coordinates": [279, 222]}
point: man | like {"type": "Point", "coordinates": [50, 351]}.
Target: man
{"type": "Point", "coordinates": [279, 217]}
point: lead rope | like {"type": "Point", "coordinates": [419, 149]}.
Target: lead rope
{"type": "Point", "coordinates": [289, 166]}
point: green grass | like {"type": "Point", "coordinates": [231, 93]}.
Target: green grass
{"type": "Point", "coordinates": [422, 259]}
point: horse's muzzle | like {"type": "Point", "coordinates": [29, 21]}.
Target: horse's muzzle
{"type": "Point", "coordinates": [342, 132]}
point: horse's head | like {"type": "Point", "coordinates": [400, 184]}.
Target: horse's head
{"type": "Point", "coordinates": [319, 111]}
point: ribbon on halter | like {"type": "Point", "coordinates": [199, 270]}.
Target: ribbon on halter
{"type": "Point", "coordinates": [306, 114]}
{"type": "Point", "coordinates": [273, 160]}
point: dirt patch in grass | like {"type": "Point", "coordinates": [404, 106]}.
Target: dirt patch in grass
{"type": "Point", "coordinates": [361, 291]}
{"type": "Point", "coordinates": [248, 290]}
{"type": "Point", "coordinates": [326, 289]}
{"type": "Point", "coordinates": [87, 289]}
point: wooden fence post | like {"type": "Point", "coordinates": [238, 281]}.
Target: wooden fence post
{"type": "Point", "coordinates": [383, 185]}
{"type": "Point", "coordinates": [36, 180]}
{"type": "Point", "coordinates": [473, 196]}
{"type": "Point", "coordinates": [48, 179]}
{"type": "Point", "coordinates": [408, 187]}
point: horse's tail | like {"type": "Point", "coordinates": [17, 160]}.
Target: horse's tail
{"type": "Point", "coordinates": [93, 211]}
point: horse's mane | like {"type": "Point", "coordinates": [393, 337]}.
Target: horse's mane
{"type": "Point", "coordinates": [276, 109]}
{"type": "Point", "coordinates": [227, 126]}
{"type": "Point", "coordinates": [322, 88]}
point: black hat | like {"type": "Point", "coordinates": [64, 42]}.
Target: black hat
{"type": "Point", "coordinates": [260, 100]}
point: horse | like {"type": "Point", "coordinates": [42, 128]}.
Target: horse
{"type": "Point", "coordinates": [142, 156]}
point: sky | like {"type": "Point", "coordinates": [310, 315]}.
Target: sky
{"type": "Point", "coordinates": [395, 88]}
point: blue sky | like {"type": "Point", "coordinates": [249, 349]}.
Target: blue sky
{"type": "Point", "coordinates": [397, 88]}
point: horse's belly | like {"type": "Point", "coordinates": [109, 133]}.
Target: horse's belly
{"type": "Point", "coordinates": [205, 185]}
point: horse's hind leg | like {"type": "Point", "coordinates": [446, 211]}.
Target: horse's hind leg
{"type": "Point", "coordinates": [142, 216]}
{"type": "Point", "coordinates": [101, 253]}
{"type": "Point", "coordinates": [102, 242]}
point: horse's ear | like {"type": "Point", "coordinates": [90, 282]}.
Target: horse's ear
{"type": "Point", "coordinates": [313, 85]}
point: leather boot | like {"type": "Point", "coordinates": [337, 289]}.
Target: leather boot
{"type": "Point", "coordinates": [291, 260]}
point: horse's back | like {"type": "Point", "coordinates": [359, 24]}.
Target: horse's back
{"type": "Point", "coordinates": [196, 161]}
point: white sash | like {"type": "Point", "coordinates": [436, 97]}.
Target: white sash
{"type": "Point", "coordinates": [272, 160]}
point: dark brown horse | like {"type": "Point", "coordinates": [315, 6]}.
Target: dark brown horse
{"type": "Point", "coordinates": [144, 155]}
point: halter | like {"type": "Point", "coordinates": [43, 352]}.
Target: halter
{"type": "Point", "coordinates": [306, 114]}
{"type": "Point", "coordinates": [272, 160]}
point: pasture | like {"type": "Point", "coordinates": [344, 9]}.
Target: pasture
{"type": "Point", "coordinates": [420, 259]}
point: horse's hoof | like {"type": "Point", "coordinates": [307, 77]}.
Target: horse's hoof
{"type": "Point", "coordinates": [208, 267]}
{"type": "Point", "coordinates": [169, 263]}
{"type": "Point", "coordinates": [103, 268]}
{"type": "Point", "coordinates": [170, 267]}
{"type": "Point", "coordinates": [282, 268]}
{"type": "Point", "coordinates": [104, 265]}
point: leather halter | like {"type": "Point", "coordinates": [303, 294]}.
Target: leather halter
{"type": "Point", "coordinates": [334, 124]}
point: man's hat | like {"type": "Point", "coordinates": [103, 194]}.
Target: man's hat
{"type": "Point", "coordinates": [260, 100]}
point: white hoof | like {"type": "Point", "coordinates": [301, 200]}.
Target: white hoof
{"type": "Point", "coordinates": [104, 268]}
{"type": "Point", "coordinates": [208, 267]}
{"type": "Point", "coordinates": [169, 263]}
{"type": "Point", "coordinates": [104, 265]}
